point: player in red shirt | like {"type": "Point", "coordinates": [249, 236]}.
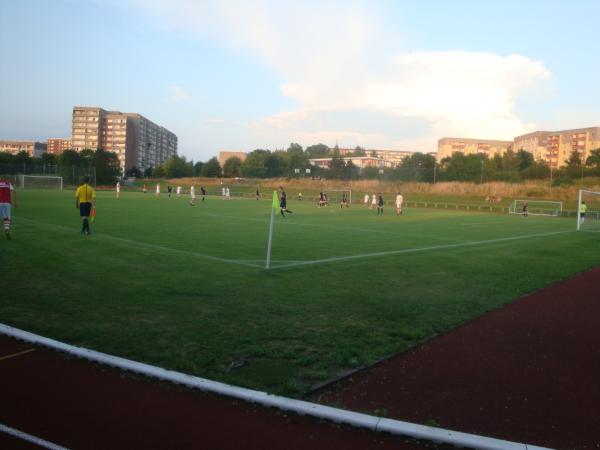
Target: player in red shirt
{"type": "Point", "coordinates": [7, 193]}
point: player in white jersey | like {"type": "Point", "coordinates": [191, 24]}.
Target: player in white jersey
{"type": "Point", "coordinates": [367, 200]}
{"type": "Point", "coordinates": [118, 189]}
{"type": "Point", "coordinates": [178, 191]}
{"type": "Point", "coordinates": [399, 200]}
{"type": "Point", "coordinates": [193, 195]}
{"type": "Point", "coordinates": [374, 201]}
{"type": "Point", "coordinates": [157, 188]}
{"type": "Point", "coordinates": [227, 193]}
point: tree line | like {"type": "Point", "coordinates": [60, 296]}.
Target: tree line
{"type": "Point", "coordinates": [105, 164]}
{"type": "Point", "coordinates": [511, 166]}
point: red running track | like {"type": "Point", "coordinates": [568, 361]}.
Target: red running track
{"type": "Point", "coordinates": [529, 372]}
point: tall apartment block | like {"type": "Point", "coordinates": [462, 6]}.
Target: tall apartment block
{"type": "Point", "coordinates": [32, 147]}
{"type": "Point", "coordinates": [447, 146]}
{"type": "Point", "coordinates": [58, 145]}
{"type": "Point", "coordinates": [137, 141]}
{"type": "Point", "coordinates": [556, 147]}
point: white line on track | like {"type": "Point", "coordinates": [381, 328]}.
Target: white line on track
{"type": "Point", "coordinates": [30, 438]}
{"type": "Point", "coordinates": [148, 245]}
{"type": "Point", "coordinates": [420, 249]}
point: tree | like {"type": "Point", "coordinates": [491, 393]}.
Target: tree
{"type": "Point", "coordinates": [176, 167]}
{"type": "Point", "coordinates": [317, 151]}
{"type": "Point", "coordinates": [232, 167]}
{"type": "Point", "coordinates": [107, 166]}
{"type": "Point", "coordinates": [337, 164]}
{"type": "Point", "coordinates": [525, 159]}
{"type": "Point", "coordinates": [574, 165]}
{"type": "Point", "coordinates": [359, 151]}
{"type": "Point", "coordinates": [23, 158]}
{"type": "Point", "coordinates": [416, 167]}
{"type": "Point", "coordinates": [255, 164]}
{"type": "Point", "coordinates": [276, 164]}
{"type": "Point", "coordinates": [69, 158]}
{"type": "Point", "coordinates": [198, 168]}
{"type": "Point", "coordinates": [370, 173]}
{"type": "Point", "coordinates": [48, 159]}
{"type": "Point", "coordinates": [212, 168]}
{"type": "Point", "coordinates": [594, 159]}
{"type": "Point", "coordinates": [133, 172]}
{"type": "Point", "coordinates": [461, 167]}
{"type": "Point", "coordinates": [158, 172]}
{"type": "Point", "coordinates": [148, 172]}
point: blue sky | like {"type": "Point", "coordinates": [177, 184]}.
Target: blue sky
{"type": "Point", "coordinates": [240, 75]}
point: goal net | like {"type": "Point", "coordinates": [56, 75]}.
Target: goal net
{"type": "Point", "coordinates": [336, 195]}
{"type": "Point", "coordinates": [40, 182]}
{"type": "Point", "coordinates": [588, 211]}
{"type": "Point", "coordinates": [536, 207]}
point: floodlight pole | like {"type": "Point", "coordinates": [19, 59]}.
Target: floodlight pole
{"type": "Point", "coordinates": [268, 261]}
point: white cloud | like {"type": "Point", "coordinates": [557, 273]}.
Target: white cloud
{"type": "Point", "coordinates": [334, 56]}
{"type": "Point", "coordinates": [177, 94]}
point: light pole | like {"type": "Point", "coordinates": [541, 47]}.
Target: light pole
{"type": "Point", "coordinates": [481, 179]}
{"type": "Point", "coordinates": [434, 166]}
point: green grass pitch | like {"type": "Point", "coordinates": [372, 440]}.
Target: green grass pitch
{"type": "Point", "coordinates": [185, 288]}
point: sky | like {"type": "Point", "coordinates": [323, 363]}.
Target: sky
{"type": "Point", "coordinates": [241, 75]}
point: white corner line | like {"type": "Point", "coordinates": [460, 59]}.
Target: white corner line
{"type": "Point", "coordinates": [30, 438]}
{"type": "Point", "coordinates": [301, 407]}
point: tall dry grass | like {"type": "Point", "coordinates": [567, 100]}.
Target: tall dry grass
{"type": "Point", "coordinates": [534, 189]}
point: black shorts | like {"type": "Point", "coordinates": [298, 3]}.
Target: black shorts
{"type": "Point", "coordinates": [283, 204]}
{"type": "Point", "coordinates": [85, 209]}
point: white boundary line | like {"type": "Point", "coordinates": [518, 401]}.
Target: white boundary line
{"type": "Point", "coordinates": [301, 407]}
{"type": "Point", "coordinates": [30, 438]}
{"type": "Point", "coordinates": [420, 249]}
{"type": "Point", "coordinates": [148, 245]}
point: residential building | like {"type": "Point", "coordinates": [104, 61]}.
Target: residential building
{"type": "Point", "coordinates": [392, 158]}
{"type": "Point", "coordinates": [447, 146]}
{"type": "Point", "coordinates": [58, 145]}
{"type": "Point", "coordinates": [34, 148]}
{"type": "Point", "coordinates": [359, 161]}
{"type": "Point", "coordinates": [556, 147]}
{"type": "Point", "coordinates": [137, 141]}
{"type": "Point", "coordinates": [226, 154]}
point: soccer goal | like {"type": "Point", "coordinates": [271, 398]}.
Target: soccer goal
{"type": "Point", "coordinates": [40, 182]}
{"type": "Point", "coordinates": [536, 207]}
{"type": "Point", "coordinates": [336, 195]}
{"type": "Point", "coordinates": [588, 211]}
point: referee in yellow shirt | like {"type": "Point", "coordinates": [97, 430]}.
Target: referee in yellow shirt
{"type": "Point", "coordinates": [85, 200]}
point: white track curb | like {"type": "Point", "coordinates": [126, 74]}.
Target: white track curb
{"type": "Point", "coordinates": [374, 423]}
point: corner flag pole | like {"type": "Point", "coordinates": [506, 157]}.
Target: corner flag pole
{"type": "Point", "coordinates": [273, 208]}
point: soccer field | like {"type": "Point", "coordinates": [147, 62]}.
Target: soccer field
{"type": "Point", "coordinates": [185, 287]}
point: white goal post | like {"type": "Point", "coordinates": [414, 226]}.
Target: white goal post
{"type": "Point", "coordinates": [536, 207]}
{"type": "Point", "coordinates": [588, 211]}
{"type": "Point", "coordinates": [40, 182]}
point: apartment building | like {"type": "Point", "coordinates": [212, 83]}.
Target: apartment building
{"type": "Point", "coordinates": [392, 158]}
{"type": "Point", "coordinates": [58, 145]}
{"type": "Point", "coordinates": [137, 141]}
{"type": "Point", "coordinates": [359, 161]}
{"type": "Point", "coordinates": [34, 148]}
{"type": "Point", "coordinates": [556, 147]}
{"type": "Point", "coordinates": [448, 146]}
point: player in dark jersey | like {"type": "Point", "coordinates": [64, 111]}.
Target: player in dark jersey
{"type": "Point", "coordinates": [379, 204]}
{"type": "Point", "coordinates": [203, 192]}
{"type": "Point", "coordinates": [283, 202]}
